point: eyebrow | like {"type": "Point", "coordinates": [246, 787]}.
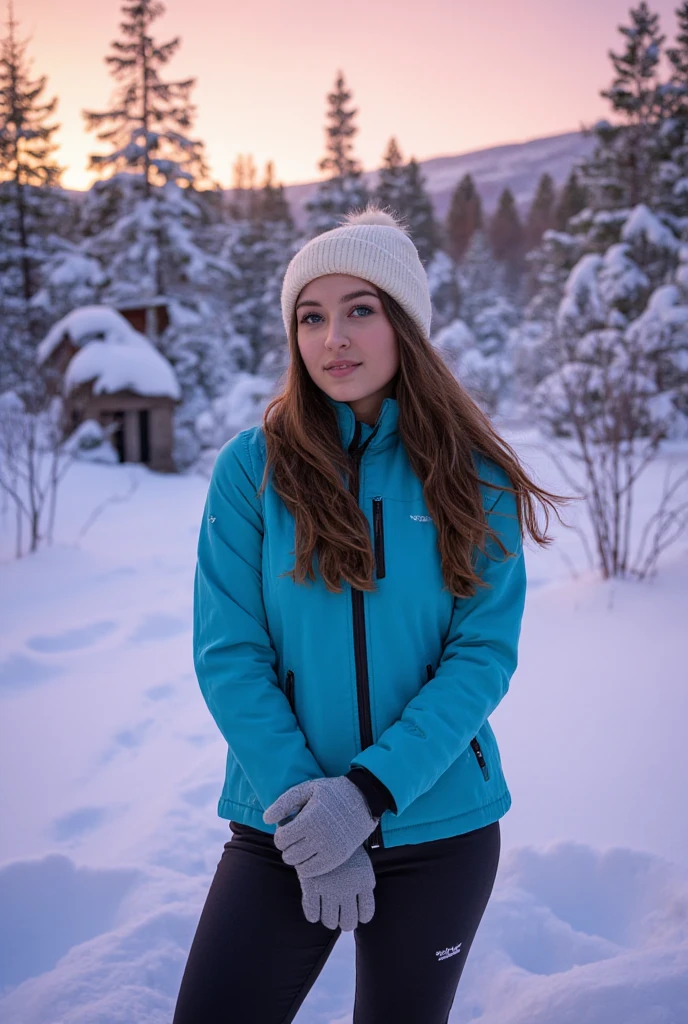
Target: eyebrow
{"type": "Point", "coordinates": [344, 298]}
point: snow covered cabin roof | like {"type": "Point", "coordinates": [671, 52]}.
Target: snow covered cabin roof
{"type": "Point", "coordinates": [112, 355]}
{"type": "Point", "coordinates": [143, 303]}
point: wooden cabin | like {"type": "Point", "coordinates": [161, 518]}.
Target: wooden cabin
{"type": "Point", "coordinates": [107, 371]}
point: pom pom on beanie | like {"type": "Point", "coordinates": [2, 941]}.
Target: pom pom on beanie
{"type": "Point", "coordinates": [371, 244]}
{"type": "Point", "coordinates": [374, 215]}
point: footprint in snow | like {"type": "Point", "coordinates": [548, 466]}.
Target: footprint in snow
{"type": "Point", "coordinates": [18, 673]}
{"type": "Point", "coordinates": [71, 639]}
{"type": "Point", "coordinates": [78, 823]}
{"type": "Point", "coordinates": [159, 626]}
{"type": "Point", "coordinates": [160, 692]}
{"type": "Point", "coordinates": [126, 739]}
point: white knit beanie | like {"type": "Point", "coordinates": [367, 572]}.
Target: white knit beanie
{"type": "Point", "coordinates": [372, 245]}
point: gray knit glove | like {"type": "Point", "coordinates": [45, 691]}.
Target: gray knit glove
{"type": "Point", "coordinates": [333, 821]}
{"type": "Point", "coordinates": [341, 898]}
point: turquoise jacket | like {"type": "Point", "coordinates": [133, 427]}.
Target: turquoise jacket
{"type": "Point", "coordinates": [305, 683]}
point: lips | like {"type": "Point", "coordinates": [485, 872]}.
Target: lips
{"type": "Point", "coordinates": [342, 371]}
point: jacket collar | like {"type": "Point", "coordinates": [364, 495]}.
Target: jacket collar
{"type": "Point", "coordinates": [384, 430]}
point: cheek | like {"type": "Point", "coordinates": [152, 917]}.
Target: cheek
{"type": "Point", "coordinates": [385, 351]}
{"type": "Point", "coordinates": [307, 354]}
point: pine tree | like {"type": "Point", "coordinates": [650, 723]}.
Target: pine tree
{"type": "Point", "coordinates": [226, 341]}
{"type": "Point", "coordinates": [572, 199]}
{"type": "Point", "coordinates": [678, 57]}
{"type": "Point", "coordinates": [401, 186]}
{"type": "Point", "coordinates": [148, 123]}
{"type": "Point", "coordinates": [344, 190]}
{"type": "Point", "coordinates": [244, 173]}
{"type": "Point", "coordinates": [26, 158]}
{"type": "Point", "coordinates": [541, 214]}
{"type": "Point", "coordinates": [623, 168]}
{"type": "Point", "coordinates": [29, 210]}
{"type": "Point", "coordinates": [281, 234]}
{"type": "Point", "coordinates": [475, 346]}
{"type": "Point", "coordinates": [390, 190]}
{"type": "Point", "coordinates": [152, 248]}
{"type": "Point", "coordinates": [419, 214]}
{"type": "Point", "coordinates": [272, 203]}
{"type": "Point", "coordinates": [507, 238]}
{"type": "Point", "coordinates": [534, 344]}
{"type": "Point", "coordinates": [464, 218]}
{"type": "Point", "coordinates": [445, 289]}
{"type": "Point", "coordinates": [672, 188]}
{"type": "Point", "coordinates": [597, 216]}
{"type": "Point", "coordinates": [481, 276]}
{"type": "Point", "coordinates": [260, 247]}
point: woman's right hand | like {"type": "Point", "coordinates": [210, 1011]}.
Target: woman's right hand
{"type": "Point", "coordinates": [341, 898]}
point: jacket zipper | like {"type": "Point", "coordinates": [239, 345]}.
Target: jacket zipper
{"type": "Point", "coordinates": [474, 742]}
{"type": "Point", "coordinates": [374, 840]}
{"type": "Point", "coordinates": [481, 760]}
{"type": "Point", "coordinates": [379, 534]}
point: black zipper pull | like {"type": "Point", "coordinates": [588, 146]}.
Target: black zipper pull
{"type": "Point", "coordinates": [481, 760]}
{"type": "Point", "coordinates": [379, 534]}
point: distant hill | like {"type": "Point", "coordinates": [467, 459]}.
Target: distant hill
{"type": "Point", "coordinates": [518, 165]}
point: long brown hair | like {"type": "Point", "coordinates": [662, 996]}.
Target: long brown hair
{"type": "Point", "coordinates": [440, 426]}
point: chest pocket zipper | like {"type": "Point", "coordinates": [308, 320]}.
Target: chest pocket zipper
{"type": "Point", "coordinates": [289, 689]}
{"type": "Point", "coordinates": [379, 535]}
{"type": "Point", "coordinates": [475, 746]}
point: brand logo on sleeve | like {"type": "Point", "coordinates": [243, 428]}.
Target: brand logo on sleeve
{"type": "Point", "coordinates": [444, 954]}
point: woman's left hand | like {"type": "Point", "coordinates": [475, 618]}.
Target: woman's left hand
{"type": "Point", "coordinates": [333, 819]}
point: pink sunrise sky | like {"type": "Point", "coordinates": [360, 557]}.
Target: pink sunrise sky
{"type": "Point", "coordinates": [443, 76]}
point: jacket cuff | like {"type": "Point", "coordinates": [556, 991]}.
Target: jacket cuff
{"type": "Point", "coordinates": [376, 793]}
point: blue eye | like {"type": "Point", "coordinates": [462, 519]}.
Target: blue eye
{"type": "Point", "coordinates": [305, 318]}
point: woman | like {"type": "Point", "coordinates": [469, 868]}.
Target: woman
{"type": "Point", "coordinates": [363, 783]}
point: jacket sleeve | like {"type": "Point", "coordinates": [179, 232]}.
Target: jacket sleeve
{"type": "Point", "coordinates": [377, 795]}
{"type": "Point", "coordinates": [478, 659]}
{"type": "Point", "coordinates": [233, 654]}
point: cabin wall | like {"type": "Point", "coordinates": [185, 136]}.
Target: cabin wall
{"type": "Point", "coordinates": [127, 407]}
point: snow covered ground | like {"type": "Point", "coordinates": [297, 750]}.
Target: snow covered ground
{"type": "Point", "coordinates": [111, 769]}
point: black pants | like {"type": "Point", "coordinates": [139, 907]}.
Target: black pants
{"type": "Point", "coordinates": [255, 957]}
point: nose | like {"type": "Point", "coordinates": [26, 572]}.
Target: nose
{"type": "Point", "coordinates": [336, 334]}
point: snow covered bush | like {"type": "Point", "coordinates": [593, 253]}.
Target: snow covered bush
{"type": "Point", "coordinates": [621, 384]}
{"type": "Point", "coordinates": [90, 442]}
{"type": "Point", "coordinates": [483, 369]}
{"type": "Point", "coordinates": [445, 291]}
{"type": "Point", "coordinates": [33, 462]}
{"type": "Point", "coordinates": [242, 406]}
{"type": "Point", "coordinates": [476, 346]}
